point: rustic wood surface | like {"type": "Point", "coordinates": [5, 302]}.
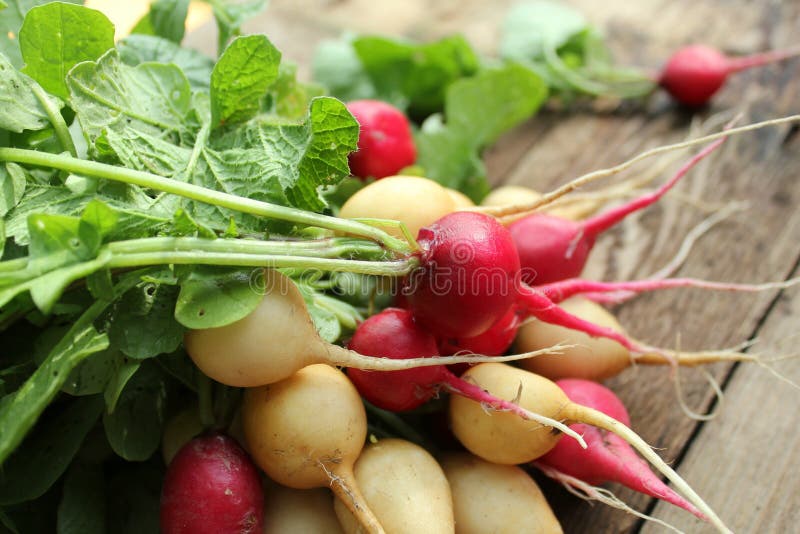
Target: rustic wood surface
{"type": "Point", "coordinates": [743, 462]}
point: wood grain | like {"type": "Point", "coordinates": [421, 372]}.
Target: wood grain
{"type": "Point", "coordinates": [742, 461]}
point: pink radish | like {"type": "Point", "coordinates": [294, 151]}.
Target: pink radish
{"type": "Point", "coordinates": [695, 73]}
{"type": "Point", "coordinates": [493, 342]}
{"type": "Point", "coordinates": [552, 248]}
{"type": "Point", "coordinates": [385, 142]}
{"type": "Point", "coordinates": [469, 279]}
{"type": "Point", "coordinates": [608, 458]}
{"type": "Point", "coordinates": [393, 333]}
{"type": "Point", "coordinates": [212, 486]}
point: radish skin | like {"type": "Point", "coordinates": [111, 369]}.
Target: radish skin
{"type": "Point", "coordinates": [501, 499]}
{"type": "Point", "coordinates": [608, 458]}
{"type": "Point", "coordinates": [211, 486]}
{"type": "Point", "coordinates": [405, 487]}
{"type": "Point", "coordinates": [302, 450]}
{"type": "Point", "coordinates": [502, 438]}
{"type": "Point", "coordinates": [693, 74]}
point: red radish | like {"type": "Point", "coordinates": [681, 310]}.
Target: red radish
{"type": "Point", "coordinates": [393, 333]}
{"type": "Point", "coordinates": [385, 143]}
{"type": "Point", "coordinates": [552, 248]}
{"type": "Point", "coordinates": [468, 275]}
{"type": "Point", "coordinates": [695, 73]}
{"type": "Point", "coordinates": [493, 342]}
{"type": "Point", "coordinates": [212, 486]}
{"type": "Point", "coordinates": [469, 279]}
{"type": "Point", "coordinates": [608, 458]}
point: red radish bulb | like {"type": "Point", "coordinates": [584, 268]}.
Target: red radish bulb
{"type": "Point", "coordinates": [468, 275]}
{"type": "Point", "coordinates": [608, 458]}
{"type": "Point", "coordinates": [552, 248]}
{"type": "Point", "coordinates": [385, 142]}
{"type": "Point", "coordinates": [393, 333]}
{"type": "Point", "coordinates": [212, 486]}
{"type": "Point", "coordinates": [695, 73]}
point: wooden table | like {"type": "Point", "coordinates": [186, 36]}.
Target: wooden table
{"type": "Point", "coordinates": [744, 462]}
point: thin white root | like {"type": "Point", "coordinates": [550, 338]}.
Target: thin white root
{"type": "Point", "coordinates": [593, 176]}
{"type": "Point", "coordinates": [691, 414]}
{"type": "Point", "coordinates": [587, 492]}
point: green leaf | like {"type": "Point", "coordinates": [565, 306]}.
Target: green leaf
{"type": "Point", "coordinates": [134, 428]}
{"type": "Point", "coordinates": [166, 18]}
{"type": "Point", "coordinates": [231, 15]}
{"type": "Point", "coordinates": [20, 108]}
{"type": "Point", "coordinates": [10, 23]}
{"type": "Point", "coordinates": [143, 323]}
{"type": "Point", "coordinates": [136, 49]}
{"type": "Point", "coordinates": [78, 240]}
{"type": "Point", "coordinates": [48, 450]}
{"type": "Point", "coordinates": [289, 98]}
{"type": "Point", "coordinates": [265, 160]}
{"type": "Point", "coordinates": [210, 298]}
{"type": "Point", "coordinates": [19, 414]}
{"type": "Point", "coordinates": [93, 375]}
{"type": "Point", "coordinates": [82, 509]}
{"type": "Point", "coordinates": [487, 105]}
{"type": "Point", "coordinates": [14, 181]}
{"type": "Point", "coordinates": [57, 36]}
{"type": "Point", "coordinates": [184, 225]}
{"type": "Point", "coordinates": [3, 5]}
{"type": "Point", "coordinates": [336, 65]}
{"type": "Point", "coordinates": [241, 77]}
{"type": "Point", "coordinates": [123, 372]}
{"type": "Point", "coordinates": [150, 98]}
{"type": "Point", "coordinates": [478, 110]}
{"type": "Point", "coordinates": [451, 159]}
{"type": "Point", "coordinates": [416, 76]}
{"type": "Point", "coordinates": [531, 28]}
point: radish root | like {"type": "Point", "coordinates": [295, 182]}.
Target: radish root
{"type": "Point", "coordinates": [587, 492]}
{"type": "Point", "coordinates": [596, 418]}
{"type": "Point", "coordinates": [549, 198]}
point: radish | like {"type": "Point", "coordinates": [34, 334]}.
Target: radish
{"type": "Point", "coordinates": [393, 333]}
{"type": "Point", "coordinates": [494, 342]}
{"type": "Point", "coordinates": [695, 73]}
{"type": "Point", "coordinates": [552, 248]}
{"type": "Point", "coordinates": [469, 278]}
{"type": "Point", "coordinates": [505, 439]}
{"type": "Point", "coordinates": [598, 358]}
{"type": "Point", "coordinates": [489, 497]}
{"type": "Point", "coordinates": [460, 200]}
{"type": "Point", "coordinates": [385, 141]}
{"type": "Point", "coordinates": [608, 458]}
{"type": "Point", "coordinates": [410, 200]}
{"type": "Point", "coordinates": [277, 339]}
{"type": "Point", "coordinates": [405, 487]}
{"type": "Point", "coordinates": [289, 510]}
{"type": "Point", "coordinates": [306, 432]}
{"type": "Point", "coordinates": [212, 486]}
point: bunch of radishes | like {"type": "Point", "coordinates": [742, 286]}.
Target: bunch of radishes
{"type": "Point", "coordinates": [481, 273]}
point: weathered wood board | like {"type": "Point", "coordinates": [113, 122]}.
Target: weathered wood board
{"type": "Point", "coordinates": [743, 462]}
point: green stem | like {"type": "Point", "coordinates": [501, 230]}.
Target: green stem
{"type": "Point", "coordinates": [205, 401]}
{"type": "Point", "coordinates": [381, 268]}
{"type": "Point", "coordinates": [202, 194]}
{"type": "Point", "coordinates": [56, 119]}
{"type": "Point", "coordinates": [320, 248]}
